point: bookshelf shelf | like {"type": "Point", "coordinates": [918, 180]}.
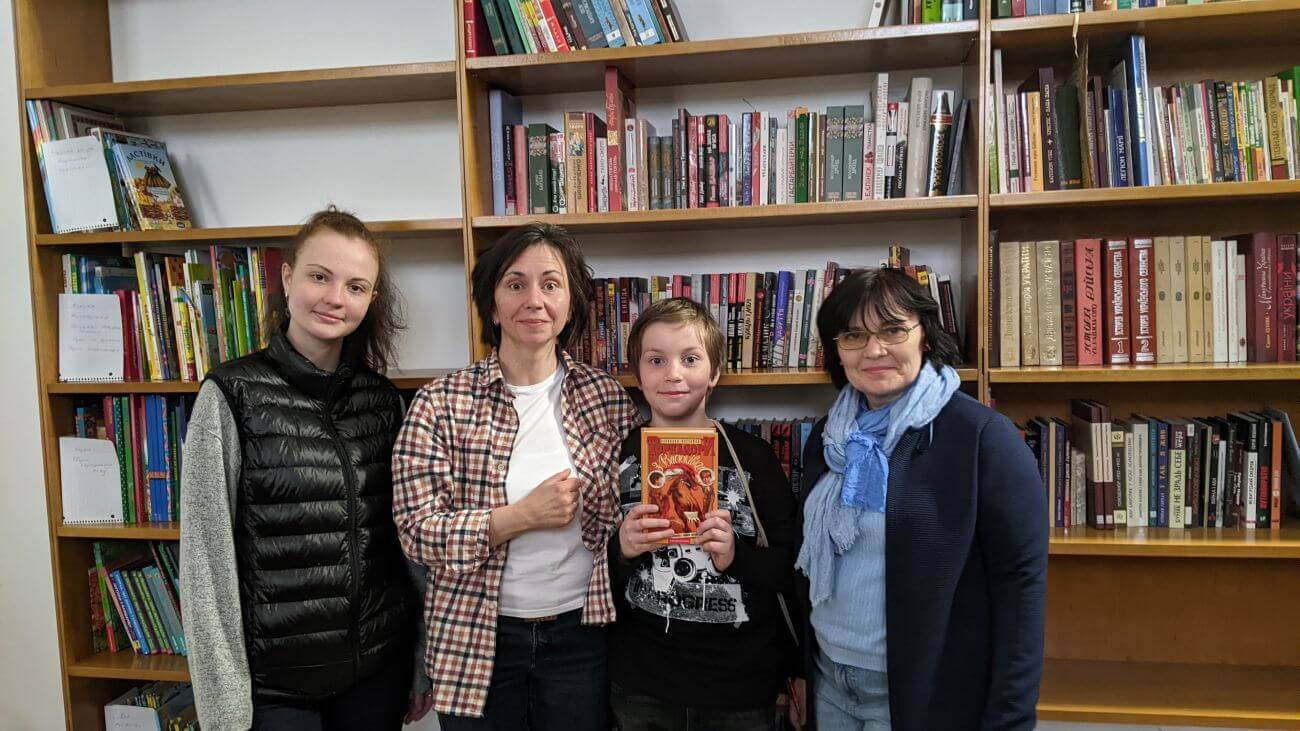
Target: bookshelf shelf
{"type": "Point", "coordinates": [273, 90]}
{"type": "Point", "coordinates": [790, 214]}
{"type": "Point", "coordinates": [402, 379]}
{"type": "Point", "coordinates": [449, 228]}
{"type": "Point", "coordinates": [1238, 696]}
{"type": "Point", "coordinates": [1217, 25]}
{"type": "Point", "coordinates": [735, 59]}
{"type": "Point", "coordinates": [150, 532]}
{"type": "Point", "coordinates": [1188, 543]}
{"type": "Point", "coordinates": [1160, 373]}
{"type": "Point", "coordinates": [127, 665]}
{"type": "Point", "coordinates": [1275, 190]}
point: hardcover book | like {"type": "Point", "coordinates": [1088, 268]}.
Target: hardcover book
{"type": "Point", "coordinates": [679, 474]}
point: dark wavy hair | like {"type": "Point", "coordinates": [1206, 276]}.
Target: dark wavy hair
{"type": "Point", "coordinates": [493, 264]}
{"type": "Point", "coordinates": [887, 296]}
{"type": "Point", "coordinates": [384, 320]}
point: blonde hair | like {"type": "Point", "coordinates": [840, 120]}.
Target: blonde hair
{"type": "Point", "coordinates": [678, 311]}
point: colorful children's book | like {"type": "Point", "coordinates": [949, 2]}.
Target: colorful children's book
{"type": "Point", "coordinates": [151, 185]}
{"type": "Point", "coordinates": [679, 474]}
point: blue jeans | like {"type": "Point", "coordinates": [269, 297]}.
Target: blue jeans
{"type": "Point", "coordinates": [635, 712]}
{"type": "Point", "coordinates": [547, 675]}
{"type": "Point", "coordinates": [849, 697]}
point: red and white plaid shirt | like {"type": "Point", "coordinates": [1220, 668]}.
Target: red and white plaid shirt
{"type": "Point", "coordinates": [449, 473]}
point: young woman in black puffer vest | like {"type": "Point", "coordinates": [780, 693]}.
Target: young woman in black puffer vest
{"type": "Point", "coordinates": [298, 607]}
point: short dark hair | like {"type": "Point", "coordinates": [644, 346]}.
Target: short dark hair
{"type": "Point", "coordinates": [678, 311]}
{"type": "Point", "coordinates": [891, 296]}
{"type": "Point", "coordinates": [385, 318]}
{"type": "Point", "coordinates": [493, 263]}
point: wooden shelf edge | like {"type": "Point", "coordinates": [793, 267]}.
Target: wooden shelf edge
{"type": "Point", "coordinates": [1173, 543]}
{"type": "Point", "coordinates": [785, 213]}
{"type": "Point", "coordinates": [1135, 16]}
{"type": "Point", "coordinates": [725, 45]}
{"type": "Point", "coordinates": [409, 227]}
{"type": "Point", "coordinates": [151, 532]}
{"type": "Point", "coordinates": [1166, 717]}
{"type": "Point", "coordinates": [1158, 373]}
{"type": "Point", "coordinates": [1145, 194]}
{"type": "Point", "coordinates": [230, 81]}
{"type": "Point", "coordinates": [127, 665]}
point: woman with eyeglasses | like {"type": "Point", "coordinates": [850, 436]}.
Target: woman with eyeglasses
{"type": "Point", "coordinates": [924, 554]}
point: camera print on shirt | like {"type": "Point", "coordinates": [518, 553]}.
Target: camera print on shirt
{"type": "Point", "coordinates": [681, 582]}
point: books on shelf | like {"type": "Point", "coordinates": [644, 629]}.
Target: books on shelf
{"type": "Point", "coordinates": [504, 27]}
{"type": "Point", "coordinates": [1031, 8]}
{"type": "Point", "coordinates": [787, 438]}
{"type": "Point", "coordinates": [1118, 130]}
{"type": "Point", "coordinates": [769, 318]}
{"type": "Point", "coordinates": [166, 706]}
{"type": "Point", "coordinates": [145, 432]}
{"type": "Point", "coordinates": [1143, 300]}
{"type": "Point", "coordinates": [618, 162]}
{"type": "Point", "coordinates": [135, 597]}
{"type": "Point", "coordinates": [182, 315]}
{"type": "Point", "coordinates": [1211, 472]}
{"type": "Point", "coordinates": [135, 173]}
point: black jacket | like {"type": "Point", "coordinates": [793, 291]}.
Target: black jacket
{"type": "Point", "coordinates": [965, 572]}
{"type": "Point", "coordinates": [323, 587]}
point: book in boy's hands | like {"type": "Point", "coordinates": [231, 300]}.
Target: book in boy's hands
{"type": "Point", "coordinates": [679, 474]}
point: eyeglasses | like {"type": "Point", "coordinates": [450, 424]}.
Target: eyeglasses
{"type": "Point", "coordinates": [857, 339]}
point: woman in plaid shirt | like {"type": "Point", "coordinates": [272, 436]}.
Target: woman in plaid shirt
{"type": "Point", "coordinates": [505, 477]}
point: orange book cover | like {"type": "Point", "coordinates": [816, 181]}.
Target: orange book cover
{"type": "Point", "coordinates": [679, 473]}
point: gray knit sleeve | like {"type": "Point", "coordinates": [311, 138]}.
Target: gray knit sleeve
{"type": "Point", "coordinates": [210, 603]}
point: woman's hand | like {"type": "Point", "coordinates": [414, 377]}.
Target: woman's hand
{"type": "Point", "coordinates": [553, 503]}
{"type": "Point", "coordinates": [714, 535]}
{"type": "Point", "coordinates": [639, 534]}
{"type": "Point", "coordinates": [796, 702]}
{"type": "Point", "coordinates": [420, 705]}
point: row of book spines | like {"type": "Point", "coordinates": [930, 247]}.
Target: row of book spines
{"type": "Point", "coordinates": [504, 27]}
{"type": "Point", "coordinates": [712, 161]}
{"type": "Point", "coordinates": [1145, 472]}
{"type": "Point", "coordinates": [1118, 132]}
{"type": "Point", "coordinates": [147, 432]}
{"type": "Point", "coordinates": [787, 439]}
{"type": "Point", "coordinates": [1167, 299]}
{"type": "Point", "coordinates": [1030, 8]}
{"type": "Point", "coordinates": [139, 602]}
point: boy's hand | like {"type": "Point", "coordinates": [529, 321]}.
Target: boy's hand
{"type": "Point", "coordinates": [639, 534]}
{"type": "Point", "coordinates": [715, 537]}
{"type": "Point", "coordinates": [797, 707]}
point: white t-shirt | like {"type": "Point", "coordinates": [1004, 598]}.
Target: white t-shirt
{"type": "Point", "coordinates": [547, 571]}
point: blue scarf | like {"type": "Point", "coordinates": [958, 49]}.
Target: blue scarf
{"type": "Point", "coordinates": [857, 443]}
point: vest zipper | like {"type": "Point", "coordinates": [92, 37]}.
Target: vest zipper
{"type": "Point", "coordinates": [350, 483]}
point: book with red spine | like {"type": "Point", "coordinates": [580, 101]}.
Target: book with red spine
{"type": "Point", "coordinates": [620, 105]}
{"type": "Point", "coordinates": [1088, 300]}
{"type": "Point", "coordinates": [520, 145]}
{"type": "Point", "coordinates": [478, 41]}
{"type": "Point", "coordinates": [692, 163]}
{"type": "Point", "coordinates": [595, 130]}
{"type": "Point", "coordinates": [1286, 297]}
{"type": "Point", "coordinates": [1261, 298]}
{"type": "Point", "coordinates": [1142, 320]}
{"type": "Point", "coordinates": [557, 31]}
{"type": "Point", "coordinates": [1115, 281]}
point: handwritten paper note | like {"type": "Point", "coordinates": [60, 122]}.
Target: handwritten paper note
{"type": "Point", "coordinates": [90, 337]}
{"type": "Point", "coordinates": [91, 482]}
{"type": "Point", "coordinates": [78, 185]}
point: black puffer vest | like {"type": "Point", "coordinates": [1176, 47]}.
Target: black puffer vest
{"type": "Point", "coordinates": [322, 581]}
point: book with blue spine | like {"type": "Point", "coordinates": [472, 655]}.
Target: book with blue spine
{"type": "Point", "coordinates": [503, 109]}
{"type": "Point", "coordinates": [643, 23]}
{"type": "Point", "coordinates": [1135, 79]}
{"type": "Point", "coordinates": [609, 22]}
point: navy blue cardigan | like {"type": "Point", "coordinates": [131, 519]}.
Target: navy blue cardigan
{"type": "Point", "coordinates": [965, 572]}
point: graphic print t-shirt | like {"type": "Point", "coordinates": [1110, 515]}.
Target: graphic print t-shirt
{"type": "Point", "coordinates": [687, 633]}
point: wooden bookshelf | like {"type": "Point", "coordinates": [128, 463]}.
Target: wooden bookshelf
{"type": "Point", "coordinates": [789, 214]}
{"type": "Point", "coordinates": [1174, 543]}
{"type": "Point", "coordinates": [1237, 696]}
{"type": "Point", "coordinates": [735, 59]}
{"type": "Point", "coordinates": [1159, 373]}
{"type": "Point", "coordinates": [1219, 24]}
{"type": "Point", "coordinates": [1119, 607]}
{"type": "Point", "coordinates": [337, 87]}
{"type": "Point", "coordinates": [146, 532]}
{"type": "Point", "coordinates": [126, 665]}
{"type": "Point", "coordinates": [431, 227]}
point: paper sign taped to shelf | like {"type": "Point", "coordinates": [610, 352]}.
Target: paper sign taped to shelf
{"type": "Point", "coordinates": [91, 481]}
{"type": "Point", "coordinates": [90, 337]}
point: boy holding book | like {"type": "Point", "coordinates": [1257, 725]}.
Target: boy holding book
{"type": "Point", "coordinates": [701, 639]}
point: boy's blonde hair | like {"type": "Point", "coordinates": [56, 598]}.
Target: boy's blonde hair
{"type": "Point", "coordinates": [678, 311]}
